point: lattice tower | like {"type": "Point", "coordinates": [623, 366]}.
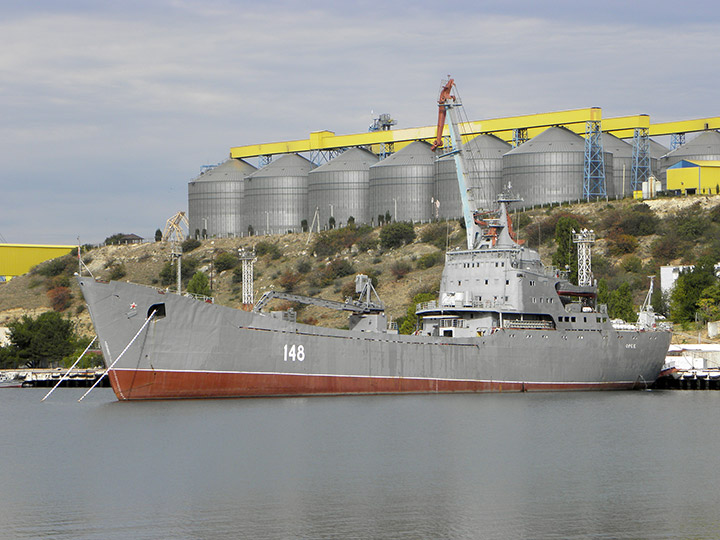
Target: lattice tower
{"type": "Point", "coordinates": [248, 259]}
{"type": "Point", "coordinates": [584, 240]}
{"type": "Point", "coordinates": [594, 177]}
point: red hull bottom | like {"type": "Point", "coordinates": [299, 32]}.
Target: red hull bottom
{"type": "Point", "coordinates": [145, 385]}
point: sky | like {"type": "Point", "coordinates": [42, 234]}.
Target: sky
{"type": "Point", "coordinates": [109, 109]}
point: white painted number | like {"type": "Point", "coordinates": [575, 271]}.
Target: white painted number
{"type": "Point", "coordinates": [294, 353]}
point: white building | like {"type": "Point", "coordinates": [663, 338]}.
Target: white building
{"type": "Point", "coordinates": [669, 275]}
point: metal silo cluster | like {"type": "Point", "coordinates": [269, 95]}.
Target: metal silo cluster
{"type": "Point", "coordinates": [235, 199]}
{"type": "Point", "coordinates": [215, 200]}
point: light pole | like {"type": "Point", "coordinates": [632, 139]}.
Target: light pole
{"type": "Point", "coordinates": [267, 222]}
{"type": "Point", "coordinates": [212, 264]}
{"type": "Point", "coordinates": [395, 214]}
{"type": "Point", "coordinates": [204, 231]}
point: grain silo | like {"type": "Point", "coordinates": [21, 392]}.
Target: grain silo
{"type": "Point", "coordinates": [403, 184]}
{"type": "Point", "coordinates": [704, 147]}
{"type": "Point", "coordinates": [340, 188]}
{"type": "Point", "coordinates": [549, 168]}
{"type": "Point", "coordinates": [215, 200]}
{"type": "Point", "coordinates": [276, 195]}
{"type": "Point", "coordinates": [484, 176]}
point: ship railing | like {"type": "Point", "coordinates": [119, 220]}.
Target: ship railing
{"type": "Point", "coordinates": [530, 325]}
{"type": "Point", "coordinates": [475, 303]}
{"type": "Point", "coordinates": [201, 297]}
{"type": "Point", "coordinates": [452, 323]}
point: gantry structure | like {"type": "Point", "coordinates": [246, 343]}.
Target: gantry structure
{"type": "Point", "coordinates": [323, 145]}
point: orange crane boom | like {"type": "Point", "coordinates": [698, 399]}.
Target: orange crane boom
{"type": "Point", "coordinates": [445, 95]}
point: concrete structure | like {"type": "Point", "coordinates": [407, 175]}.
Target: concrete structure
{"type": "Point", "coordinates": [17, 259]}
{"type": "Point", "coordinates": [215, 200]}
{"type": "Point", "coordinates": [694, 177]}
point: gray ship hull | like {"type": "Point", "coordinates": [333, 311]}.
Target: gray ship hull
{"type": "Point", "coordinates": [194, 349]}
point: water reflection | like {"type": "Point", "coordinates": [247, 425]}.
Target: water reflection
{"type": "Point", "coordinates": [591, 465]}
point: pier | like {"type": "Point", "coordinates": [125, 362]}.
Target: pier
{"type": "Point", "coordinates": [46, 378]}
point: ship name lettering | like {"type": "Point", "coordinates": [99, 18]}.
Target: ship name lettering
{"type": "Point", "coordinates": [294, 353]}
{"type": "Point", "coordinates": [630, 346]}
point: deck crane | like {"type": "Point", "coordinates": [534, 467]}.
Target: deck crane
{"type": "Point", "coordinates": [174, 233]}
{"type": "Point", "coordinates": [481, 229]}
{"type": "Point", "coordinates": [448, 104]}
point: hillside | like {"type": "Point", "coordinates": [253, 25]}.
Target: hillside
{"type": "Point", "coordinates": [307, 265]}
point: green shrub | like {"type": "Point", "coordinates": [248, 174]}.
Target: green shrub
{"type": "Point", "coordinates": [190, 244]}
{"type": "Point", "coordinates": [400, 269]}
{"type": "Point", "coordinates": [117, 271]}
{"type": "Point", "coordinates": [337, 269]}
{"type": "Point", "coordinates": [436, 235]}
{"type": "Point", "coordinates": [304, 266]}
{"type": "Point", "coordinates": [429, 260]}
{"type": "Point", "coordinates": [397, 234]}
{"type": "Point", "coordinates": [620, 244]}
{"type": "Point", "coordinates": [225, 261]}
{"type": "Point", "coordinates": [632, 263]}
{"type": "Point", "coordinates": [53, 267]}
{"type": "Point", "coordinates": [332, 242]}
{"type": "Point", "coordinates": [268, 248]}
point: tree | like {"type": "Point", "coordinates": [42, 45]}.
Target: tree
{"type": "Point", "coordinates": [199, 284]}
{"type": "Point", "coordinates": [709, 302]}
{"type": "Point", "coordinates": [566, 254]}
{"type": "Point", "coordinates": [331, 222]}
{"type": "Point", "coordinates": [410, 320]}
{"type": "Point", "coordinates": [158, 235]}
{"type": "Point", "coordinates": [304, 225]}
{"type": "Point", "coordinates": [114, 239]}
{"type": "Point", "coordinates": [620, 304]}
{"type": "Point", "coordinates": [39, 342]}
{"type": "Point", "coordinates": [688, 290]}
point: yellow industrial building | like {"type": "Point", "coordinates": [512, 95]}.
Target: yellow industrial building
{"type": "Point", "coordinates": [694, 177]}
{"type": "Point", "coordinates": [17, 259]}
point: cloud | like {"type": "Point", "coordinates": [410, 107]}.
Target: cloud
{"type": "Point", "coordinates": [107, 104]}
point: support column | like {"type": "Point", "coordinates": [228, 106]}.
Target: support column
{"type": "Point", "coordinates": [594, 177]}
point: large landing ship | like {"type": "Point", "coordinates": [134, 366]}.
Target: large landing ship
{"type": "Point", "coordinates": [502, 322]}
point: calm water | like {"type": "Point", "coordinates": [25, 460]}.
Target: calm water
{"type": "Point", "coordinates": [590, 465]}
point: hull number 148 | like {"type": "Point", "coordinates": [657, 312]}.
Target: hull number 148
{"type": "Point", "coordinates": [294, 353]}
